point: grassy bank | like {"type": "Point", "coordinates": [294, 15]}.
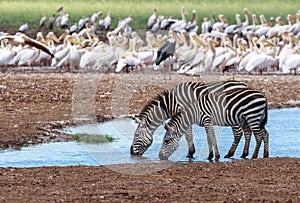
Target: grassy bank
{"type": "Point", "coordinates": [15, 13]}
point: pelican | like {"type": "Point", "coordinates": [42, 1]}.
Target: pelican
{"type": "Point", "coordinates": [292, 63]}
{"type": "Point", "coordinates": [210, 54]}
{"type": "Point", "coordinates": [105, 23]}
{"type": "Point", "coordinates": [180, 24]}
{"type": "Point", "coordinates": [265, 26]}
{"type": "Point", "coordinates": [220, 25]}
{"type": "Point", "coordinates": [61, 54]}
{"type": "Point", "coordinates": [231, 28]}
{"type": "Point", "coordinates": [253, 51]}
{"type": "Point", "coordinates": [6, 54]}
{"type": "Point", "coordinates": [29, 56]}
{"type": "Point", "coordinates": [23, 39]}
{"type": "Point", "coordinates": [261, 60]}
{"type": "Point", "coordinates": [189, 55]}
{"type": "Point", "coordinates": [192, 25]}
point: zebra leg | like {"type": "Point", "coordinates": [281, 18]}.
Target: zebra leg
{"type": "Point", "coordinates": [247, 134]}
{"type": "Point", "coordinates": [258, 139]}
{"type": "Point", "coordinates": [189, 139]}
{"type": "Point", "coordinates": [237, 133]}
{"type": "Point", "coordinates": [210, 149]}
{"type": "Point", "coordinates": [266, 144]}
{"type": "Point", "coordinates": [212, 141]}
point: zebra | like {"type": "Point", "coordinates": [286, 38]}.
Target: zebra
{"type": "Point", "coordinates": [169, 103]}
{"type": "Point", "coordinates": [235, 108]}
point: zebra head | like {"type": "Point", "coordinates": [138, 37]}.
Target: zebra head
{"type": "Point", "coordinates": [170, 142]}
{"type": "Point", "coordinates": [142, 138]}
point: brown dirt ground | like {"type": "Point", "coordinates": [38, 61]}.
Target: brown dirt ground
{"type": "Point", "coordinates": [34, 105]}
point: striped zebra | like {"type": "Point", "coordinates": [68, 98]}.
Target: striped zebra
{"type": "Point", "coordinates": [235, 108]}
{"type": "Point", "coordinates": [169, 103]}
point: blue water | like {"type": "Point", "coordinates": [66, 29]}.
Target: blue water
{"type": "Point", "coordinates": [283, 127]}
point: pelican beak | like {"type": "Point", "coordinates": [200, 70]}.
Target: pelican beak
{"type": "Point", "coordinates": [295, 40]}
{"type": "Point", "coordinates": [198, 41]}
{"type": "Point", "coordinates": [268, 43]}
{"type": "Point", "coordinates": [230, 47]}
{"type": "Point", "coordinates": [93, 35]}
{"type": "Point", "coordinates": [214, 42]}
{"type": "Point", "coordinates": [185, 34]}
{"type": "Point", "coordinates": [54, 38]}
{"type": "Point", "coordinates": [62, 37]}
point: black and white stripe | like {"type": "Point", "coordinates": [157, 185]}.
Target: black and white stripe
{"type": "Point", "coordinates": [170, 103]}
{"type": "Point", "coordinates": [239, 108]}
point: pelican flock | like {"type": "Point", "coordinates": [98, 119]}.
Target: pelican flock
{"type": "Point", "coordinates": [248, 45]}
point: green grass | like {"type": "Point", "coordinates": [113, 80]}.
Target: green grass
{"type": "Point", "coordinates": [15, 13]}
{"type": "Point", "coordinates": [91, 139]}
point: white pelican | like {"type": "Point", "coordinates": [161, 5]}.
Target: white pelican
{"type": "Point", "coordinates": [222, 24]}
{"type": "Point", "coordinates": [180, 24]}
{"type": "Point", "coordinates": [6, 54]}
{"type": "Point", "coordinates": [251, 28]}
{"type": "Point", "coordinates": [210, 54]}
{"type": "Point", "coordinates": [23, 39]}
{"type": "Point", "coordinates": [265, 26]}
{"type": "Point", "coordinates": [28, 57]}
{"type": "Point", "coordinates": [105, 23]}
{"type": "Point", "coordinates": [261, 60]}
{"type": "Point", "coordinates": [189, 55]}
{"type": "Point", "coordinates": [192, 25]}
{"type": "Point", "coordinates": [231, 28]}
{"type": "Point", "coordinates": [292, 63]}
{"type": "Point", "coordinates": [61, 54]}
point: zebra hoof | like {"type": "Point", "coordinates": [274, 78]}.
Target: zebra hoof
{"type": "Point", "coordinates": [210, 156]}
{"type": "Point", "coordinates": [266, 155]}
{"type": "Point", "coordinates": [244, 155]}
{"type": "Point", "coordinates": [227, 156]}
{"type": "Point", "coordinates": [190, 156]}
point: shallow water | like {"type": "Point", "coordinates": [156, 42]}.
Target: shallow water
{"type": "Point", "coordinates": [283, 126]}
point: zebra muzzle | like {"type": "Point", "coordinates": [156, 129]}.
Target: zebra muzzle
{"type": "Point", "coordinates": [133, 153]}
{"type": "Point", "coordinates": [162, 156]}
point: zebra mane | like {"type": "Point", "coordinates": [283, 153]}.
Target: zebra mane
{"type": "Point", "coordinates": [158, 100]}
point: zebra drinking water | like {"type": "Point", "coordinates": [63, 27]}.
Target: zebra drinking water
{"type": "Point", "coordinates": [169, 103]}
{"type": "Point", "coordinates": [235, 108]}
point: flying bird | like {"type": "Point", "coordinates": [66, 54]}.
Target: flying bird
{"type": "Point", "coordinates": [23, 39]}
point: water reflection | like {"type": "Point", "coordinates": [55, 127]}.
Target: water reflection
{"type": "Point", "coordinates": [283, 126]}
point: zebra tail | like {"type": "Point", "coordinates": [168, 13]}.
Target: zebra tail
{"type": "Point", "coordinates": [264, 120]}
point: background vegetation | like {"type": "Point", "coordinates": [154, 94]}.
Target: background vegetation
{"type": "Point", "coordinates": [17, 12]}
